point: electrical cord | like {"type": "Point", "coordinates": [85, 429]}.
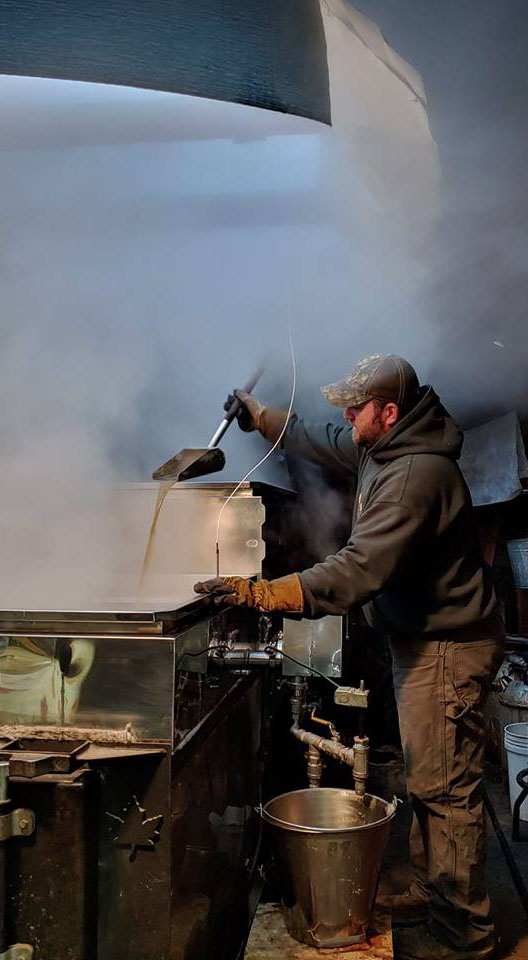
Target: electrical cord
{"type": "Point", "coordinates": [198, 653]}
{"type": "Point", "coordinates": [306, 667]}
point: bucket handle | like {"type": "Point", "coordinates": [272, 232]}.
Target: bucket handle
{"type": "Point", "coordinates": [391, 805]}
{"type": "Point", "coordinates": [522, 780]}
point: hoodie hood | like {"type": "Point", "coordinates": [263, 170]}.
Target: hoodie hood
{"type": "Point", "coordinates": [427, 428]}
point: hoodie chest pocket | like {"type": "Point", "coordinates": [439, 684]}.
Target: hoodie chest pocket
{"type": "Point", "coordinates": [389, 480]}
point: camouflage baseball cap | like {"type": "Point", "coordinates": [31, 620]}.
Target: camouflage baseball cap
{"type": "Point", "coordinates": [380, 377]}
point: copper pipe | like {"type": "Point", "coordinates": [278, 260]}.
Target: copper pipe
{"type": "Point", "coordinates": [355, 757]}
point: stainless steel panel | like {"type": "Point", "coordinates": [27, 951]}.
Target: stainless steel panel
{"type": "Point", "coordinates": [92, 687]}
{"type": "Point", "coordinates": [183, 548]}
{"type": "Point", "coordinates": [318, 643]}
{"type": "Point", "coordinates": [191, 648]}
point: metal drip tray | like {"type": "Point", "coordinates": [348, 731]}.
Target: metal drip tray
{"type": "Point", "coordinates": [87, 622]}
{"type": "Point", "coordinates": [130, 616]}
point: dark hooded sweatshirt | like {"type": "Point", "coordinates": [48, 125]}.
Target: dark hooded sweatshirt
{"type": "Point", "coordinates": [413, 557]}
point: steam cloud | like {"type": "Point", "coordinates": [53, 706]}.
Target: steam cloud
{"type": "Point", "coordinates": [150, 248]}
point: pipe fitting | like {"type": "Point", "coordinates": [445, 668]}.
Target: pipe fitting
{"type": "Point", "coordinates": [298, 699]}
{"type": "Point", "coordinates": [314, 767]}
{"type": "Point", "coordinates": [336, 750]}
{"type": "Point", "coordinates": [240, 656]}
{"type": "Point", "coordinates": [361, 755]}
{"type": "Point", "coordinates": [355, 757]}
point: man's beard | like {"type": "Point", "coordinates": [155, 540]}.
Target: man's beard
{"type": "Point", "coordinates": [369, 435]}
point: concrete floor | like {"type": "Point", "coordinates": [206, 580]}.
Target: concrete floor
{"type": "Point", "coordinates": [270, 941]}
{"type": "Point", "coordinates": [510, 918]}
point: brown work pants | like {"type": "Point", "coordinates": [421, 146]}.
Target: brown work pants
{"type": "Point", "coordinates": [441, 687]}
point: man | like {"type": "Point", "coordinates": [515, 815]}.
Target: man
{"type": "Point", "coordinates": [413, 561]}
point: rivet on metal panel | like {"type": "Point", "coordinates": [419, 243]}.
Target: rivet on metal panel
{"type": "Point", "coordinates": [16, 823]}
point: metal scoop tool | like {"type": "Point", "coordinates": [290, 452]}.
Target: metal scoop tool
{"type": "Point", "coordinates": [199, 461]}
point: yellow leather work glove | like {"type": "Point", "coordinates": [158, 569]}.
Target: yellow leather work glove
{"type": "Point", "coordinates": [284, 594]}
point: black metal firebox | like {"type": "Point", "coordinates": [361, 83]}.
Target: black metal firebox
{"type": "Point", "coordinates": [141, 832]}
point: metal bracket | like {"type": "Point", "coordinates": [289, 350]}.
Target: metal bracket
{"type": "Point", "coordinates": [25, 764]}
{"type": "Point", "coordinates": [19, 951]}
{"type": "Point", "coordinates": [351, 697]}
{"type": "Point", "coordinates": [17, 823]}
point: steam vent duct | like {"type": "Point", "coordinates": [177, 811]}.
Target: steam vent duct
{"type": "Point", "coordinates": [270, 55]}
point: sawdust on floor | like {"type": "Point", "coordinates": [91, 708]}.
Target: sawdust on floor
{"type": "Point", "coordinates": [269, 940]}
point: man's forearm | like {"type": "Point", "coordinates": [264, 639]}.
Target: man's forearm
{"type": "Point", "coordinates": [327, 445]}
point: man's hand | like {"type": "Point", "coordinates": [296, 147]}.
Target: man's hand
{"type": "Point", "coordinates": [250, 411]}
{"type": "Point", "coordinates": [284, 594]}
{"type": "Point", "coordinates": [253, 415]}
{"type": "Point", "coordinates": [234, 591]}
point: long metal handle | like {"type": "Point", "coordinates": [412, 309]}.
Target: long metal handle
{"type": "Point", "coordinates": [234, 408]}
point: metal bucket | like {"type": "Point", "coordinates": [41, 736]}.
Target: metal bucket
{"type": "Point", "coordinates": [328, 844]}
{"type": "Point", "coordinates": [518, 554]}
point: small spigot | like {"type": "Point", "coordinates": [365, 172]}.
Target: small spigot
{"type": "Point", "coordinates": [361, 755]}
{"type": "Point", "coordinates": [298, 698]}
